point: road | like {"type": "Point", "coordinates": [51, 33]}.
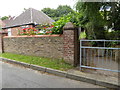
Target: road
{"type": "Point", "coordinates": [19, 77]}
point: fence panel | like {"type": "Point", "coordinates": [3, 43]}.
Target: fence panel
{"type": "Point", "coordinates": [100, 54]}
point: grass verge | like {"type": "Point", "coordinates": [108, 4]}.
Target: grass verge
{"type": "Point", "coordinates": [58, 64]}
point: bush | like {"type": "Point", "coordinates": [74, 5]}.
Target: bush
{"type": "Point", "coordinates": [45, 28]}
{"type": "Point", "coordinates": [71, 17]}
{"type": "Point", "coordinates": [42, 29]}
{"type": "Point", "coordinates": [58, 25]}
{"type": "Point", "coordinates": [28, 31]}
{"type": "Point", "coordinates": [114, 35]}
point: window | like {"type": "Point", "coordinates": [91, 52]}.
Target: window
{"type": "Point", "coordinates": [9, 32]}
{"type": "Point", "coordinates": [24, 26]}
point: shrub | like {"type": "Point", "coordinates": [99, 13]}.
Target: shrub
{"type": "Point", "coordinates": [28, 31]}
{"type": "Point", "coordinates": [58, 25]}
{"type": "Point", "coordinates": [114, 35]}
{"type": "Point", "coordinates": [45, 28]}
{"type": "Point", "coordinates": [71, 17]}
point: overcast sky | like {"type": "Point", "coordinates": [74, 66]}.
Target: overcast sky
{"type": "Point", "coordinates": [16, 7]}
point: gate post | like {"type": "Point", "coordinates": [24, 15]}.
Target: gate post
{"type": "Point", "coordinates": [2, 34]}
{"type": "Point", "coordinates": [71, 44]}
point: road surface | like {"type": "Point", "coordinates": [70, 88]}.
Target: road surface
{"type": "Point", "coordinates": [19, 77]}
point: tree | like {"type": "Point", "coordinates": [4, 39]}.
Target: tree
{"type": "Point", "coordinates": [93, 21]}
{"type": "Point", "coordinates": [115, 16]}
{"type": "Point", "coordinates": [50, 12]}
{"type": "Point", "coordinates": [64, 10]}
{"type": "Point", "coordinates": [4, 18]}
{"type": "Point", "coordinates": [96, 17]}
{"type": "Point", "coordinates": [59, 12]}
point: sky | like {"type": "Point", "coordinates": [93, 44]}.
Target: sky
{"type": "Point", "coordinates": [16, 7]}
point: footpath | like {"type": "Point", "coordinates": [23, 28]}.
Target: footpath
{"type": "Point", "coordinates": [102, 80]}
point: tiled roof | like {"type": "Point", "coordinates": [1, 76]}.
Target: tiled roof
{"type": "Point", "coordinates": [30, 16]}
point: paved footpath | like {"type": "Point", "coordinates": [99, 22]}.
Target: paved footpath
{"type": "Point", "coordinates": [19, 77]}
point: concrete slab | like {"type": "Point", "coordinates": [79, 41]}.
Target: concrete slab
{"type": "Point", "coordinates": [56, 72]}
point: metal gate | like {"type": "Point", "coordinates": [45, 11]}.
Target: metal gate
{"type": "Point", "coordinates": [100, 54]}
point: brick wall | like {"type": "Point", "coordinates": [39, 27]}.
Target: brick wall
{"type": "Point", "coordinates": [0, 43]}
{"type": "Point", "coordinates": [50, 46]}
{"type": "Point", "coordinates": [71, 44]}
{"type": "Point", "coordinates": [2, 34]}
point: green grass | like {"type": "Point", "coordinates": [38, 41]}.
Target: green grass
{"type": "Point", "coordinates": [58, 64]}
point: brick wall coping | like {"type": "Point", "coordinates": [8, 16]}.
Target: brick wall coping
{"type": "Point", "coordinates": [35, 36]}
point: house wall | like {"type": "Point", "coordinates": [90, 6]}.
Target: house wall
{"type": "Point", "coordinates": [2, 24]}
{"type": "Point", "coordinates": [16, 30]}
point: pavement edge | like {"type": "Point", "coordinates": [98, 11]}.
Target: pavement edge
{"type": "Point", "coordinates": [61, 73]}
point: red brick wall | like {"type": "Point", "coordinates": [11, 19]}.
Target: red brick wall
{"type": "Point", "coordinates": [71, 44]}
{"type": "Point", "coordinates": [15, 30]}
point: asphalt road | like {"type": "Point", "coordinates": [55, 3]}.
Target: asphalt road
{"type": "Point", "coordinates": [19, 77]}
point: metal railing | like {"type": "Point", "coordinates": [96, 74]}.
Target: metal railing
{"type": "Point", "coordinates": [101, 56]}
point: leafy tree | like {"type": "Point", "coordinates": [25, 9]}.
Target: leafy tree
{"type": "Point", "coordinates": [4, 18]}
{"type": "Point", "coordinates": [96, 17]}
{"type": "Point", "coordinates": [115, 15]}
{"type": "Point", "coordinates": [64, 10]}
{"type": "Point", "coordinates": [50, 12]}
{"type": "Point", "coordinates": [59, 12]}
{"type": "Point", "coordinates": [93, 22]}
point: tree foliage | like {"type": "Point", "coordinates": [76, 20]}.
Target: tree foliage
{"type": "Point", "coordinates": [115, 15]}
{"type": "Point", "coordinates": [70, 17]}
{"type": "Point", "coordinates": [64, 10]}
{"type": "Point", "coordinates": [96, 17]}
{"type": "Point", "coordinates": [4, 18]}
{"type": "Point", "coordinates": [59, 12]}
{"type": "Point", "coordinates": [50, 12]}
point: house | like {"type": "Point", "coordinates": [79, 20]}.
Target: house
{"type": "Point", "coordinates": [2, 24]}
{"type": "Point", "coordinates": [29, 18]}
